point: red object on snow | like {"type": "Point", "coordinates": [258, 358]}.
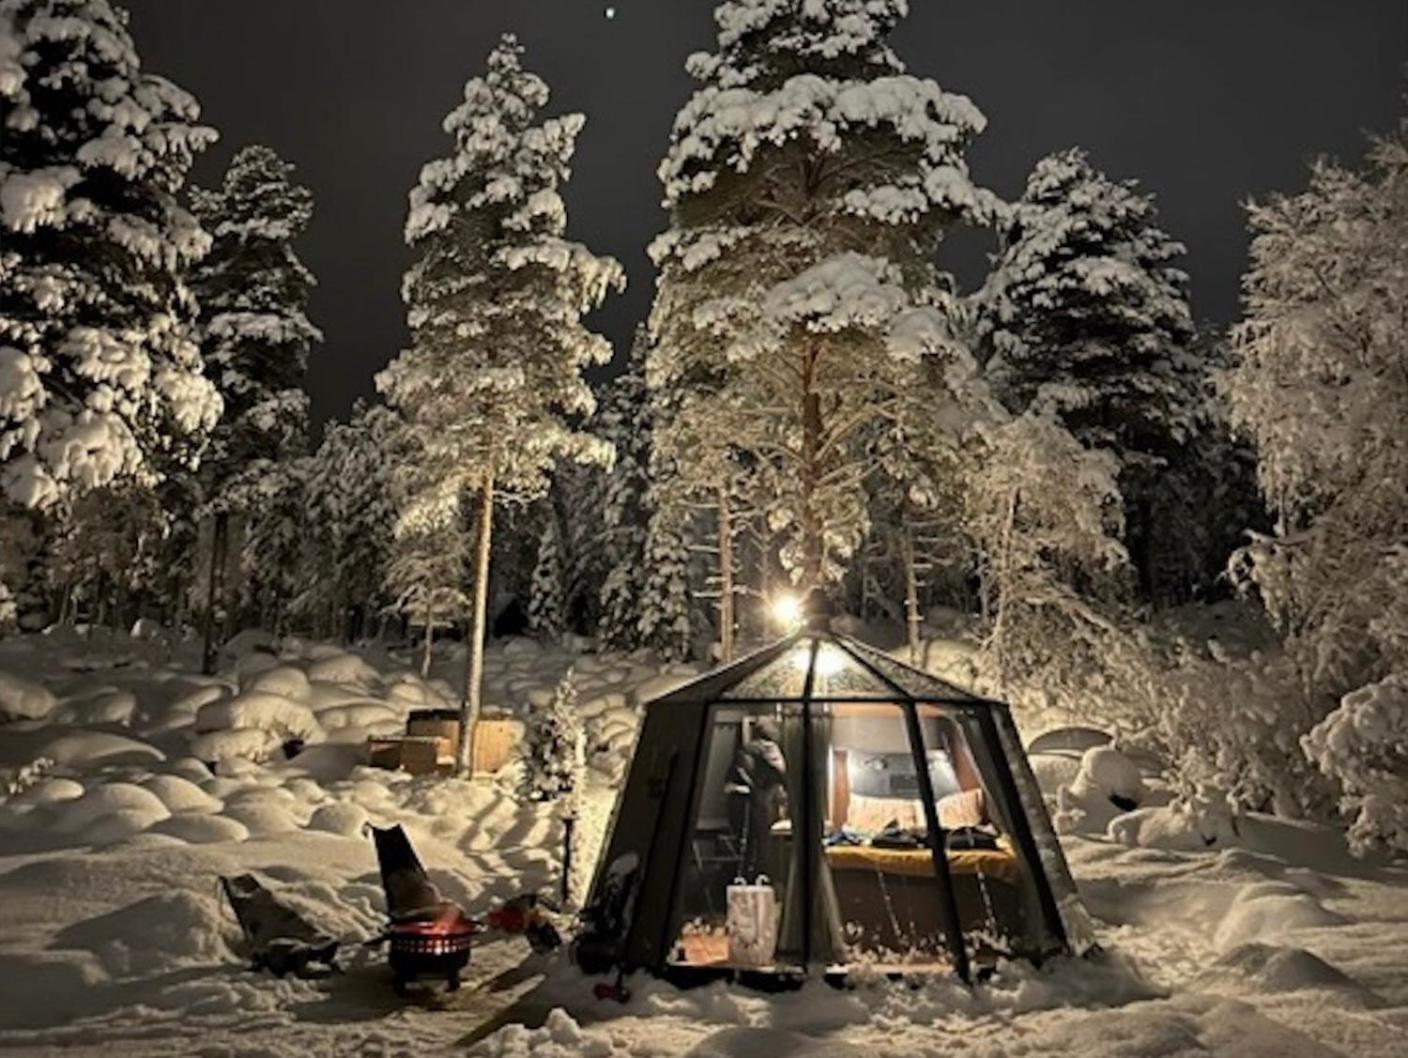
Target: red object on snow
{"type": "Point", "coordinates": [510, 918]}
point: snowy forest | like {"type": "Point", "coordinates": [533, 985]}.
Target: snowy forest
{"type": "Point", "coordinates": [1057, 488]}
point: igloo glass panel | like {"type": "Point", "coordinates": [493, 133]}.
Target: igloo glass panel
{"type": "Point", "coordinates": [914, 683]}
{"type": "Point", "coordinates": [995, 891]}
{"type": "Point", "coordinates": [1075, 921]}
{"type": "Point", "coordinates": [837, 674]}
{"type": "Point", "coordinates": [878, 876]}
{"type": "Point", "coordinates": [783, 677]}
{"type": "Point", "coordinates": [739, 876]}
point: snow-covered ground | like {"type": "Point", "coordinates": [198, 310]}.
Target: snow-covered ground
{"type": "Point", "coordinates": [113, 938]}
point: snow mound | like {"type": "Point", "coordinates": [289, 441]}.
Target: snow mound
{"type": "Point", "coordinates": [1188, 825]}
{"type": "Point", "coordinates": [1270, 910]}
{"type": "Point", "coordinates": [104, 707]}
{"type": "Point", "coordinates": [118, 800]}
{"type": "Point", "coordinates": [253, 725]}
{"type": "Point", "coordinates": [180, 794]}
{"type": "Point", "coordinates": [1108, 783]}
{"type": "Point", "coordinates": [560, 1037]}
{"type": "Point", "coordinates": [202, 829]}
{"type": "Point", "coordinates": [49, 791]}
{"type": "Point", "coordinates": [121, 825]}
{"type": "Point", "coordinates": [1266, 969]}
{"type": "Point", "coordinates": [285, 681]}
{"type": "Point", "coordinates": [346, 669]}
{"type": "Point", "coordinates": [84, 749]}
{"type": "Point", "coordinates": [154, 935]}
{"type": "Point", "coordinates": [341, 817]}
{"type": "Point", "coordinates": [20, 698]}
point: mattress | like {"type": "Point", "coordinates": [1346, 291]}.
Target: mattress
{"type": "Point", "coordinates": [998, 864]}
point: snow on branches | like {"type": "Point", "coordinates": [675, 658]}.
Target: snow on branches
{"type": "Point", "coordinates": [1363, 746]}
{"type": "Point", "coordinates": [1085, 314]}
{"type": "Point", "coordinates": [810, 180]}
{"type": "Point", "coordinates": [100, 374]}
{"type": "Point", "coordinates": [496, 299]}
{"type": "Point", "coordinates": [1320, 389]}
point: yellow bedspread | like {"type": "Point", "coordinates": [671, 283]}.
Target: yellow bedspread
{"type": "Point", "coordinates": [997, 863]}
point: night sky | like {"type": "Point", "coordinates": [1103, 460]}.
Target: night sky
{"type": "Point", "coordinates": [1204, 103]}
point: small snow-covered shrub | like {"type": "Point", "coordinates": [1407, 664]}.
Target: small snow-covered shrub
{"type": "Point", "coordinates": [1237, 723]}
{"type": "Point", "coordinates": [25, 778]}
{"type": "Point", "coordinates": [1363, 747]}
{"type": "Point", "coordinates": [555, 745]}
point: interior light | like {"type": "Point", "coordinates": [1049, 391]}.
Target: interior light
{"type": "Point", "coordinates": [787, 611]}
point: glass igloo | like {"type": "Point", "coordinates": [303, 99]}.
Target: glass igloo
{"type": "Point", "coordinates": [893, 816]}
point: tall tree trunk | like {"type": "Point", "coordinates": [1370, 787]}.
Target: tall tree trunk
{"type": "Point", "coordinates": [911, 594]}
{"type": "Point", "coordinates": [811, 476]}
{"type": "Point", "coordinates": [429, 638]}
{"type": "Point", "coordinates": [726, 621]}
{"type": "Point", "coordinates": [215, 588]}
{"type": "Point", "coordinates": [474, 663]}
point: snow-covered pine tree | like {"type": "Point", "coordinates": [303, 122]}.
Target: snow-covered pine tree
{"type": "Point", "coordinates": [663, 609]}
{"type": "Point", "coordinates": [809, 181]}
{"type": "Point", "coordinates": [578, 496]}
{"type": "Point", "coordinates": [545, 596]}
{"type": "Point", "coordinates": [352, 515]}
{"type": "Point", "coordinates": [624, 422]}
{"type": "Point", "coordinates": [100, 374]}
{"type": "Point", "coordinates": [1319, 388]}
{"type": "Point", "coordinates": [253, 294]}
{"type": "Point", "coordinates": [495, 304]}
{"type": "Point", "coordinates": [1085, 316]}
{"type": "Point", "coordinates": [554, 746]}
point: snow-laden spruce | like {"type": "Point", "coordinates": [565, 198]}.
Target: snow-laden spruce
{"type": "Point", "coordinates": [495, 302]}
{"type": "Point", "coordinates": [624, 422]}
{"type": "Point", "coordinates": [253, 294]}
{"type": "Point", "coordinates": [351, 515]}
{"type": "Point", "coordinates": [810, 180]}
{"type": "Point", "coordinates": [546, 606]}
{"type": "Point", "coordinates": [256, 339]}
{"type": "Point", "coordinates": [100, 373]}
{"type": "Point", "coordinates": [1085, 313]}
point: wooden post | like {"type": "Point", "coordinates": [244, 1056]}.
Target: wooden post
{"type": "Point", "coordinates": [569, 827]}
{"type": "Point", "coordinates": [474, 664]}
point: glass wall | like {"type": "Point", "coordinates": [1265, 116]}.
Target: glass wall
{"type": "Point", "coordinates": [996, 892]}
{"type": "Point", "coordinates": [878, 859]}
{"type": "Point", "coordinates": [811, 839]}
{"type": "Point", "coordinates": [748, 794]}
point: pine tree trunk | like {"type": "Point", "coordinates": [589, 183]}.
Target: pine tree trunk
{"type": "Point", "coordinates": [215, 589]}
{"type": "Point", "coordinates": [429, 639]}
{"type": "Point", "coordinates": [911, 595]}
{"type": "Point", "coordinates": [726, 621]}
{"type": "Point", "coordinates": [811, 476]}
{"type": "Point", "coordinates": [474, 664]}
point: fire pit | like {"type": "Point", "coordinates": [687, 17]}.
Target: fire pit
{"type": "Point", "coordinates": [436, 947]}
